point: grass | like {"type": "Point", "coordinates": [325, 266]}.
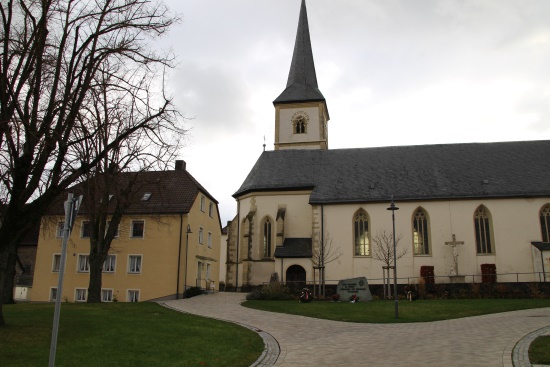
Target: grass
{"type": "Point", "coordinates": [383, 311]}
{"type": "Point", "coordinates": [123, 334]}
{"type": "Point", "coordinates": [539, 350]}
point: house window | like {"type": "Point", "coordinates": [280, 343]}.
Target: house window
{"type": "Point", "coordinates": [482, 221]}
{"type": "Point", "coordinates": [109, 265]}
{"type": "Point", "coordinates": [134, 264]}
{"type": "Point", "coordinates": [203, 203]}
{"type": "Point", "coordinates": [207, 271]}
{"type": "Point", "coordinates": [83, 263]}
{"type": "Point", "coordinates": [133, 295]}
{"type": "Point", "coordinates": [421, 241]}
{"type": "Point", "coordinates": [138, 227]}
{"type": "Point", "coordinates": [53, 294]}
{"type": "Point", "coordinates": [361, 234]}
{"type": "Point", "coordinates": [116, 229]}
{"type": "Point", "coordinates": [211, 210]}
{"type": "Point", "coordinates": [545, 223]}
{"type": "Point", "coordinates": [266, 237]}
{"type": "Point", "coordinates": [80, 295]}
{"type": "Point", "coordinates": [56, 265]}
{"type": "Point", "coordinates": [209, 239]}
{"type": "Point", "coordinates": [106, 295]}
{"type": "Point", "coordinates": [59, 230]}
{"type": "Point", "coordinates": [201, 235]}
{"type": "Point", "coordinates": [85, 229]}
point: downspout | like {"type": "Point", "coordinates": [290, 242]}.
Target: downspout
{"type": "Point", "coordinates": [238, 244]}
{"type": "Point", "coordinates": [179, 259]}
{"type": "Point", "coordinates": [323, 248]}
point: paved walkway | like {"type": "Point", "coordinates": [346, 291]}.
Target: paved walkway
{"type": "Point", "coordinates": [474, 341]}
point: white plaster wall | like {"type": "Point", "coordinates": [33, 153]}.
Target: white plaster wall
{"type": "Point", "coordinates": [286, 133]}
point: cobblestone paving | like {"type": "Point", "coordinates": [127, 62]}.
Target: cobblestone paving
{"type": "Point", "coordinates": [474, 341]}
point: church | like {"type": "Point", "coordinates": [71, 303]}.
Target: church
{"type": "Point", "coordinates": [305, 211]}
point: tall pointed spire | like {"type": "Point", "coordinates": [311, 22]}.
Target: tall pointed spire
{"type": "Point", "coordinates": [302, 80]}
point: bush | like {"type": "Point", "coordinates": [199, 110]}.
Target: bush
{"type": "Point", "coordinates": [427, 272]}
{"type": "Point", "coordinates": [488, 273]}
{"type": "Point", "coordinates": [192, 292]}
{"type": "Point", "coordinates": [271, 292]}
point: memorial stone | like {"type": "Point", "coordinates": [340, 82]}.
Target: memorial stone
{"type": "Point", "coordinates": [358, 286]}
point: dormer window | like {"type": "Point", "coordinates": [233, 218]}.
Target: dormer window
{"type": "Point", "coordinates": [146, 196]}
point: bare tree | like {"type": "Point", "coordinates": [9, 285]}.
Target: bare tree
{"type": "Point", "coordinates": [52, 53]}
{"type": "Point", "coordinates": [382, 250]}
{"type": "Point", "coordinates": [323, 254]}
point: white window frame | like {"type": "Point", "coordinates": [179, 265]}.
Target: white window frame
{"type": "Point", "coordinates": [106, 291]}
{"type": "Point", "coordinates": [130, 263]}
{"type": "Point", "coordinates": [132, 295]}
{"type": "Point", "coordinates": [54, 263]}
{"type": "Point", "coordinates": [60, 229]}
{"type": "Point", "coordinates": [112, 263]}
{"type": "Point", "coordinates": [203, 203]}
{"type": "Point", "coordinates": [201, 235]}
{"type": "Point", "coordinates": [82, 224]}
{"type": "Point", "coordinates": [86, 268]}
{"type": "Point", "coordinates": [132, 228]}
{"type": "Point", "coordinates": [209, 240]}
{"type": "Point", "coordinates": [80, 294]}
{"type": "Point", "coordinates": [52, 295]}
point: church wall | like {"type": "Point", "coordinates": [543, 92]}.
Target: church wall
{"type": "Point", "coordinates": [515, 223]}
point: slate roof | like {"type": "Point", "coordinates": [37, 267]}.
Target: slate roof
{"type": "Point", "coordinates": [172, 192]}
{"type": "Point", "coordinates": [294, 248]}
{"type": "Point", "coordinates": [302, 79]}
{"type": "Point", "coordinates": [422, 172]}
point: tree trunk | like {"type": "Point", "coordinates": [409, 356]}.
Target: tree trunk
{"type": "Point", "coordinates": [96, 268]}
{"type": "Point", "coordinates": [7, 295]}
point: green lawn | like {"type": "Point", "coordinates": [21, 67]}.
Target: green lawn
{"type": "Point", "coordinates": [383, 311]}
{"type": "Point", "coordinates": [122, 334]}
{"type": "Point", "coordinates": [539, 350]}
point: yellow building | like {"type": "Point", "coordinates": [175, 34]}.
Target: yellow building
{"type": "Point", "coordinates": [168, 240]}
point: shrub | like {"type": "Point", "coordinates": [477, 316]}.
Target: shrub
{"type": "Point", "coordinates": [427, 273]}
{"type": "Point", "coordinates": [488, 273]}
{"type": "Point", "coordinates": [272, 292]}
{"type": "Point", "coordinates": [192, 292]}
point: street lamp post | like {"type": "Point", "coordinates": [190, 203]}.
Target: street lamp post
{"type": "Point", "coordinates": [393, 208]}
{"type": "Point", "coordinates": [186, 254]}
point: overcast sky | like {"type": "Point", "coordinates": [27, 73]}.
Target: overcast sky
{"type": "Point", "coordinates": [393, 72]}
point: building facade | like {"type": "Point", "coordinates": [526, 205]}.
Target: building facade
{"type": "Point", "coordinates": [304, 208]}
{"type": "Point", "coordinates": [167, 241]}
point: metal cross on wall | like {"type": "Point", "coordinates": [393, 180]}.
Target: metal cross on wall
{"type": "Point", "coordinates": [454, 243]}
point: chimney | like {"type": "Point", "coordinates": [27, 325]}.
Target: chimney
{"type": "Point", "coordinates": [180, 165]}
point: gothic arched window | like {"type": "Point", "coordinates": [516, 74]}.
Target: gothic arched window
{"type": "Point", "coordinates": [266, 237]}
{"type": "Point", "coordinates": [545, 223]}
{"type": "Point", "coordinates": [361, 233]}
{"type": "Point", "coordinates": [482, 222]}
{"type": "Point", "coordinates": [299, 125]}
{"type": "Point", "coordinates": [421, 232]}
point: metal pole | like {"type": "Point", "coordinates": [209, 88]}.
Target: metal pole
{"type": "Point", "coordinates": [393, 208]}
{"type": "Point", "coordinates": [70, 214]}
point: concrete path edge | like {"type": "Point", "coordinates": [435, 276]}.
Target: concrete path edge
{"type": "Point", "coordinates": [271, 350]}
{"type": "Point", "coordinates": [520, 353]}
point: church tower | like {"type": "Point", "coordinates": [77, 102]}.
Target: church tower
{"type": "Point", "coordinates": [301, 113]}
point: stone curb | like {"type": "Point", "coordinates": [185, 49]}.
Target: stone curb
{"type": "Point", "coordinates": [520, 353]}
{"type": "Point", "coordinates": [271, 351]}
